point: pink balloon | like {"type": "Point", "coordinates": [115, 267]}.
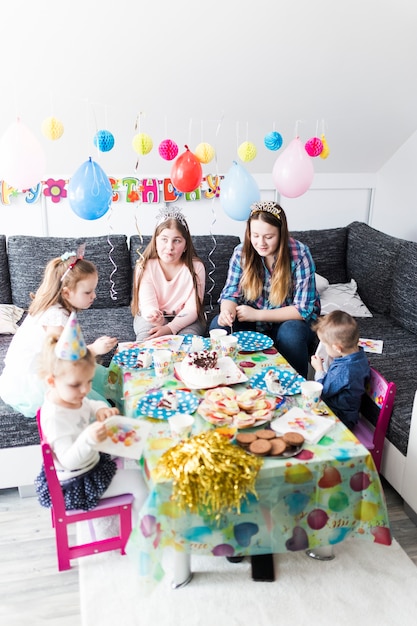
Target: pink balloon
{"type": "Point", "coordinates": [293, 171]}
{"type": "Point", "coordinates": [22, 158]}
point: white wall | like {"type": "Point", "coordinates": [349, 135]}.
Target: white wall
{"type": "Point", "coordinates": [333, 200]}
{"type": "Point", "coordinates": [395, 205]}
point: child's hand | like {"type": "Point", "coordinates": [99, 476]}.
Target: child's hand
{"type": "Point", "coordinates": [102, 345]}
{"type": "Point", "coordinates": [317, 363]}
{"type": "Point", "coordinates": [155, 317]}
{"type": "Point", "coordinates": [159, 331]}
{"type": "Point", "coordinates": [105, 412]}
{"type": "Point", "coordinates": [97, 431]}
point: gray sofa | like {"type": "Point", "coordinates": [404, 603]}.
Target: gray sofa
{"type": "Point", "coordinates": [384, 267]}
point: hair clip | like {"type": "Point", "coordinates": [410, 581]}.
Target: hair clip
{"type": "Point", "coordinates": [173, 212]}
{"type": "Point", "coordinates": [77, 257]}
{"type": "Point", "coordinates": [267, 206]}
{"type": "Point", "coordinates": [67, 255]}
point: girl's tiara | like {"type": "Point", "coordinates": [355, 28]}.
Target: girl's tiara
{"type": "Point", "coordinates": [167, 213]}
{"type": "Point", "coordinates": [268, 206]}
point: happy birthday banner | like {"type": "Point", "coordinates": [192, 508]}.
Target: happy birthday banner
{"type": "Point", "coordinates": [129, 189]}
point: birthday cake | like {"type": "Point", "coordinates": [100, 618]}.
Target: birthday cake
{"type": "Point", "coordinates": [201, 369]}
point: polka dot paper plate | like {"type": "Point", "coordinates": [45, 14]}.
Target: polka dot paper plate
{"type": "Point", "coordinates": [188, 340]}
{"type": "Point", "coordinates": [250, 341]}
{"type": "Point", "coordinates": [148, 406]}
{"type": "Point", "coordinates": [134, 358]}
{"type": "Point", "coordinates": [287, 378]}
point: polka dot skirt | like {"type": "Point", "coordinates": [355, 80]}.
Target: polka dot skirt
{"type": "Point", "coordinates": [80, 492]}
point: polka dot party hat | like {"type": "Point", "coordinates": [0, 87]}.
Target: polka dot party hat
{"type": "Point", "coordinates": [71, 345]}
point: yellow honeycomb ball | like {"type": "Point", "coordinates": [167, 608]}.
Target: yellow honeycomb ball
{"type": "Point", "coordinates": [204, 152]}
{"type": "Point", "coordinates": [247, 151]}
{"type": "Point", "coordinates": [326, 150]}
{"type": "Point", "coordinates": [52, 128]}
{"type": "Point", "coordinates": [142, 143]}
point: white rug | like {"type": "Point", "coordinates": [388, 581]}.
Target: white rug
{"type": "Point", "coordinates": [366, 584]}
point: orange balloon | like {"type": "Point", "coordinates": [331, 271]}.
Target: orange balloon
{"type": "Point", "coordinates": [186, 172]}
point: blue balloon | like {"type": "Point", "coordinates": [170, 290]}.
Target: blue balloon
{"type": "Point", "coordinates": [237, 192]}
{"type": "Point", "coordinates": [89, 191]}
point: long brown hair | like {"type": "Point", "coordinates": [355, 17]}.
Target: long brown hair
{"type": "Point", "coordinates": [252, 279]}
{"type": "Point", "coordinates": [56, 276]}
{"type": "Point", "coordinates": [189, 255]}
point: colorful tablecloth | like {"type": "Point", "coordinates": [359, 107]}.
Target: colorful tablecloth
{"type": "Point", "coordinates": [330, 491]}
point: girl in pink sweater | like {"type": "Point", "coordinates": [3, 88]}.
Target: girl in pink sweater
{"type": "Point", "coordinates": [169, 282]}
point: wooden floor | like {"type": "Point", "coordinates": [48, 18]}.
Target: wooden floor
{"type": "Point", "coordinates": [33, 591]}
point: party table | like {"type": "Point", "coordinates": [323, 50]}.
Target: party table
{"type": "Point", "coordinates": [328, 492]}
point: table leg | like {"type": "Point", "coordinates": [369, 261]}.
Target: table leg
{"type": "Point", "coordinates": [182, 570]}
{"type": "Point", "coordinates": [321, 553]}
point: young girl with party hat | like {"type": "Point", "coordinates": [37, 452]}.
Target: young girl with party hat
{"type": "Point", "coordinates": [169, 282]}
{"type": "Point", "coordinates": [68, 285]}
{"type": "Point", "coordinates": [73, 425]}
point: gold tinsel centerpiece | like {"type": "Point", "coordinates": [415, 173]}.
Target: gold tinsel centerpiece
{"type": "Point", "coordinates": [210, 475]}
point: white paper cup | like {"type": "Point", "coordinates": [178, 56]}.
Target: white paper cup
{"type": "Point", "coordinates": [215, 335]}
{"type": "Point", "coordinates": [228, 346]}
{"type": "Point", "coordinates": [181, 425]}
{"type": "Point", "coordinates": [162, 360]}
{"type": "Point", "coordinates": [310, 394]}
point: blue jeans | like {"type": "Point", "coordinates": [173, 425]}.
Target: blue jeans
{"type": "Point", "coordinates": [292, 339]}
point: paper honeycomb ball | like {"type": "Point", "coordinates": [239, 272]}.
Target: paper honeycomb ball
{"type": "Point", "coordinates": [273, 140]}
{"type": "Point", "coordinates": [168, 149]}
{"type": "Point", "coordinates": [104, 140]}
{"type": "Point", "coordinates": [52, 128]}
{"type": "Point", "coordinates": [247, 151]}
{"type": "Point", "coordinates": [326, 150]}
{"type": "Point", "coordinates": [314, 147]}
{"type": "Point", "coordinates": [204, 152]}
{"type": "Point", "coordinates": [142, 143]}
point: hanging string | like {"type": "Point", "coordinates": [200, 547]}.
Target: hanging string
{"type": "Point", "coordinates": [113, 292]}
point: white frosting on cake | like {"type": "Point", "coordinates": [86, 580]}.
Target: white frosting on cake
{"type": "Point", "coordinates": [200, 369]}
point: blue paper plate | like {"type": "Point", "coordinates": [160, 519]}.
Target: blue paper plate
{"type": "Point", "coordinates": [129, 358]}
{"type": "Point", "coordinates": [251, 341]}
{"type": "Point", "coordinates": [285, 376]}
{"type": "Point", "coordinates": [148, 404]}
{"type": "Point", "coordinates": [186, 344]}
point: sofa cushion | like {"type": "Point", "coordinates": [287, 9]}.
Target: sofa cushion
{"type": "Point", "coordinates": [215, 252]}
{"type": "Point", "coordinates": [371, 259]}
{"type": "Point", "coordinates": [117, 321]}
{"type": "Point", "coordinates": [328, 249]}
{"type": "Point", "coordinates": [5, 286]}
{"type": "Point", "coordinates": [28, 257]}
{"type": "Point", "coordinates": [404, 287]}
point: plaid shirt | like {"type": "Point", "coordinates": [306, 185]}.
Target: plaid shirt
{"type": "Point", "coordinates": [304, 294]}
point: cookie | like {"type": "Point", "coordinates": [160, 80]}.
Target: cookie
{"type": "Point", "coordinates": [278, 446]}
{"type": "Point", "coordinates": [245, 439]}
{"type": "Point", "coordinates": [260, 447]}
{"type": "Point", "coordinates": [265, 434]}
{"type": "Point", "coordinates": [293, 439]}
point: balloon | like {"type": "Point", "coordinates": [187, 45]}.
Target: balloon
{"type": "Point", "coordinates": [238, 191]}
{"type": "Point", "coordinates": [186, 172]}
{"type": "Point", "coordinates": [22, 158]}
{"type": "Point", "coordinates": [293, 171]}
{"type": "Point", "coordinates": [89, 191]}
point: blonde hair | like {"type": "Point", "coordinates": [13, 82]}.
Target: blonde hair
{"type": "Point", "coordinates": [58, 274]}
{"type": "Point", "coordinates": [252, 279]}
{"type": "Point", "coordinates": [51, 364]}
{"type": "Point", "coordinates": [338, 328]}
{"type": "Point", "coordinates": [189, 255]}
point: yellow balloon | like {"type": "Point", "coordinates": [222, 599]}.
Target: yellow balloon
{"type": "Point", "coordinates": [365, 511]}
{"type": "Point", "coordinates": [297, 474]}
{"type": "Point", "coordinates": [204, 152]}
{"type": "Point", "coordinates": [52, 128]}
{"type": "Point", "coordinates": [247, 151]}
{"type": "Point", "coordinates": [142, 143]}
{"type": "Point", "coordinates": [326, 150]}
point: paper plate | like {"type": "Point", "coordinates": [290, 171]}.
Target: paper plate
{"type": "Point", "coordinates": [187, 341]}
{"type": "Point", "coordinates": [285, 376]}
{"type": "Point", "coordinates": [251, 341]}
{"type": "Point", "coordinates": [129, 358]}
{"type": "Point", "coordinates": [148, 404]}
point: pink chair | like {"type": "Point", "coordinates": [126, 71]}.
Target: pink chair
{"type": "Point", "coordinates": [377, 404]}
{"type": "Point", "coordinates": [61, 518]}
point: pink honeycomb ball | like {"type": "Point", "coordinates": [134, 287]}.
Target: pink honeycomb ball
{"type": "Point", "coordinates": [314, 147]}
{"type": "Point", "coordinates": [168, 149]}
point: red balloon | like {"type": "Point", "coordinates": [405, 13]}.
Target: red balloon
{"type": "Point", "coordinates": [186, 172]}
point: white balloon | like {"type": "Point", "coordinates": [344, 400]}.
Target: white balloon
{"type": "Point", "coordinates": [293, 171]}
{"type": "Point", "coordinates": [22, 158]}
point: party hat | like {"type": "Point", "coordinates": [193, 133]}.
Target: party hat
{"type": "Point", "coordinates": [71, 345]}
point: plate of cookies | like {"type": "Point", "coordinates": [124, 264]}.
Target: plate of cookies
{"type": "Point", "coordinates": [249, 408]}
{"type": "Point", "coordinates": [266, 442]}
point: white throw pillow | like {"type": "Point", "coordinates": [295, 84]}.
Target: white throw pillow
{"type": "Point", "coordinates": [321, 283]}
{"type": "Point", "coordinates": [344, 297]}
{"type": "Point", "coordinates": [9, 316]}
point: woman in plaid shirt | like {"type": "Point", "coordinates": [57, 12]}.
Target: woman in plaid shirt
{"type": "Point", "coordinates": [271, 286]}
